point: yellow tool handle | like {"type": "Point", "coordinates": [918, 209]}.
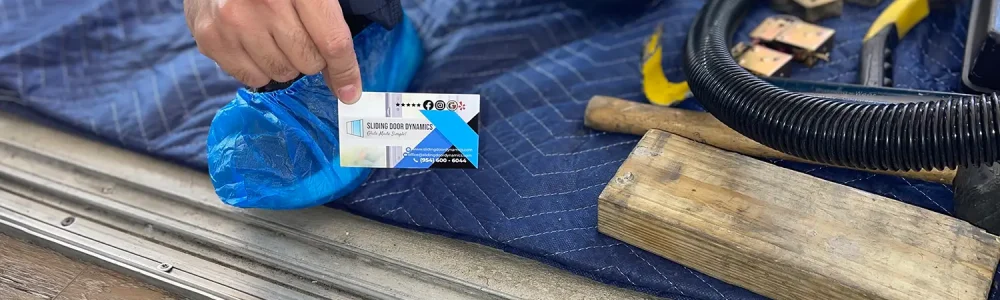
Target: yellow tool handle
{"type": "Point", "coordinates": [903, 14]}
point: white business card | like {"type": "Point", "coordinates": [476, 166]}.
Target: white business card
{"type": "Point", "coordinates": [410, 130]}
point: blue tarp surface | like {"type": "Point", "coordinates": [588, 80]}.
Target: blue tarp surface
{"type": "Point", "coordinates": [128, 72]}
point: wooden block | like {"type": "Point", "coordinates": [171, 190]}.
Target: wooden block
{"type": "Point", "coordinates": [785, 234]}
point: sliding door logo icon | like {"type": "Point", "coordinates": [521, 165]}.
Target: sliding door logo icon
{"type": "Point", "coordinates": [354, 128]}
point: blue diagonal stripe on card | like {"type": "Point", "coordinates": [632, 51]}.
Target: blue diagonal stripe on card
{"type": "Point", "coordinates": [457, 131]}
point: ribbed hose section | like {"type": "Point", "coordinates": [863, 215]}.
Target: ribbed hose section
{"type": "Point", "coordinates": [941, 134]}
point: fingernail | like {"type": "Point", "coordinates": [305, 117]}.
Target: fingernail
{"type": "Point", "coordinates": [349, 94]}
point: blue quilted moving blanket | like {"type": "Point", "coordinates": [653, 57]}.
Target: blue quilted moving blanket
{"type": "Point", "coordinates": [128, 72]}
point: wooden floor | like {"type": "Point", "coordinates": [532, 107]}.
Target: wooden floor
{"type": "Point", "coordinates": [31, 272]}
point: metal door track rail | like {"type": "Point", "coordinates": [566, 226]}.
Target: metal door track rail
{"type": "Point", "coordinates": [333, 267]}
{"type": "Point", "coordinates": [163, 223]}
{"type": "Point", "coordinates": [84, 238]}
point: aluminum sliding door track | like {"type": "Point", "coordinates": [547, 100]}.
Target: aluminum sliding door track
{"type": "Point", "coordinates": [163, 223]}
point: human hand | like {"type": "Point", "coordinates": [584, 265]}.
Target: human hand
{"type": "Point", "coordinates": [256, 41]}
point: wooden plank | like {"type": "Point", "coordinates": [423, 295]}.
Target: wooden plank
{"type": "Point", "coordinates": [32, 272]}
{"type": "Point", "coordinates": [98, 283]}
{"type": "Point", "coordinates": [9, 292]}
{"type": "Point", "coordinates": [27, 269]}
{"type": "Point", "coordinates": [788, 235]}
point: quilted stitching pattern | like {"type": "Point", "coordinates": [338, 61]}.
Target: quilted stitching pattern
{"type": "Point", "coordinates": [128, 72]}
{"type": "Point", "coordinates": [542, 170]}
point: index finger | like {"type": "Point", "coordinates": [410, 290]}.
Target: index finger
{"type": "Point", "coordinates": [324, 21]}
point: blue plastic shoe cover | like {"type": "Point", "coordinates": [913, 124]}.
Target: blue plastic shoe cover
{"type": "Point", "coordinates": [279, 149]}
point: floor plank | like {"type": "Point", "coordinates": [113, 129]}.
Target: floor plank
{"type": "Point", "coordinates": [8, 291]}
{"type": "Point", "coordinates": [98, 283]}
{"type": "Point", "coordinates": [30, 272]}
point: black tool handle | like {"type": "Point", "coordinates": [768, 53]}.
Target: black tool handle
{"type": "Point", "coordinates": [877, 57]}
{"type": "Point", "coordinates": [977, 196]}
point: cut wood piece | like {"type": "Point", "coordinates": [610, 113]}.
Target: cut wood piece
{"type": "Point", "coordinates": [788, 235]}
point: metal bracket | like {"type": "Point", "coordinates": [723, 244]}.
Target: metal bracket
{"type": "Point", "coordinates": [762, 61]}
{"type": "Point", "coordinates": [807, 42]}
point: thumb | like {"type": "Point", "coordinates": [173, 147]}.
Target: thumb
{"type": "Point", "coordinates": [343, 76]}
{"type": "Point", "coordinates": [325, 23]}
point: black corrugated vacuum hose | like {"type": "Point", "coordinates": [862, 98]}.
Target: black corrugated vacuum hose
{"type": "Point", "coordinates": [939, 134]}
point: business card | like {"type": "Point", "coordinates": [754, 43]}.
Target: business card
{"type": "Point", "coordinates": [410, 131]}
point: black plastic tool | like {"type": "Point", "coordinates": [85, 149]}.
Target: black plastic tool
{"type": "Point", "coordinates": [977, 188]}
{"type": "Point", "coordinates": [977, 196]}
{"type": "Point", "coordinates": [925, 132]}
{"type": "Point", "coordinates": [982, 50]}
